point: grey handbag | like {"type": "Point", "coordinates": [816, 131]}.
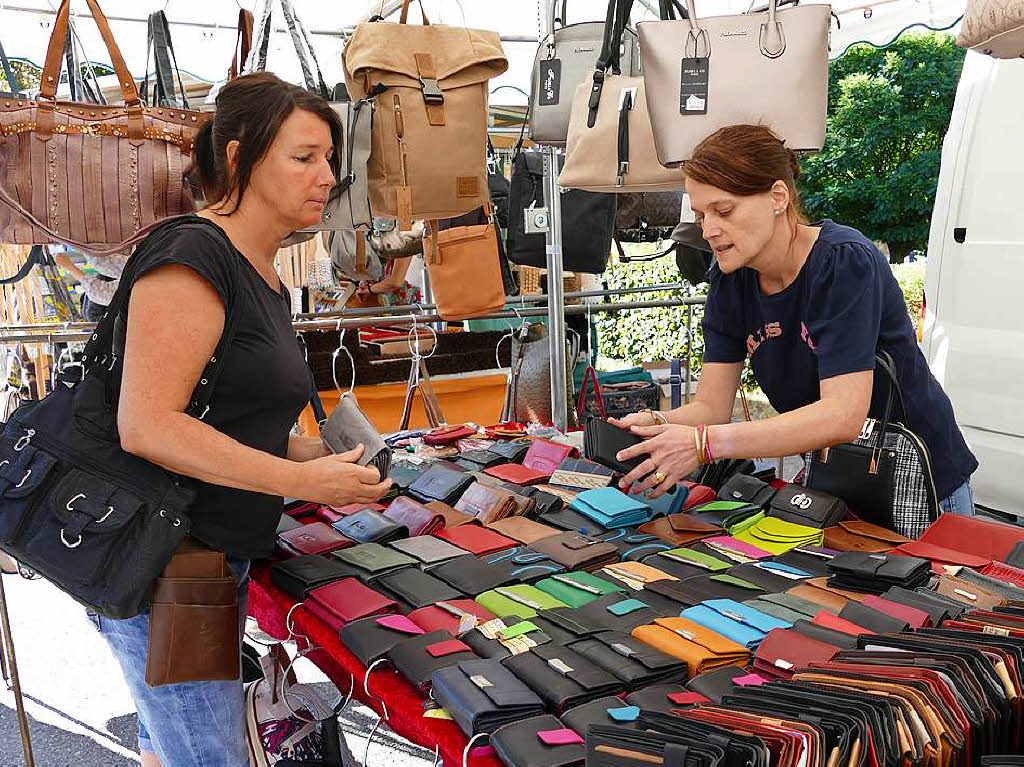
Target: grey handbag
{"type": "Point", "coordinates": [348, 206]}
{"type": "Point", "coordinates": [767, 68]}
{"type": "Point", "coordinates": [564, 59]}
{"type": "Point", "coordinates": [353, 255]}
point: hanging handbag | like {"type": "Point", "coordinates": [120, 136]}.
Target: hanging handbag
{"type": "Point", "coordinates": [528, 396]}
{"type": "Point", "coordinates": [353, 256]}
{"type": "Point", "coordinates": [993, 27]}
{"type": "Point", "coordinates": [429, 83]}
{"type": "Point", "coordinates": [564, 59]}
{"type": "Point", "coordinates": [884, 475]}
{"type": "Point", "coordinates": [391, 242]}
{"type": "Point", "coordinates": [768, 68]}
{"type": "Point", "coordinates": [158, 41]}
{"type": "Point", "coordinates": [588, 220]}
{"type": "Point", "coordinates": [463, 265]}
{"type": "Point", "coordinates": [93, 177]}
{"type": "Point", "coordinates": [478, 217]}
{"type": "Point", "coordinates": [610, 147]}
{"type": "Point", "coordinates": [647, 216]}
{"type": "Point", "coordinates": [98, 522]}
{"type": "Point", "coordinates": [239, 55]}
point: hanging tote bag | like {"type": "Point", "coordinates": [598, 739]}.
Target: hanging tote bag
{"type": "Point", "coordinates": [564, 59]}
{"type": "Point", "coordinates": [165, 66]}
{"type": "Point", "coordinates": [98, 522]}
{"type": "Point", "coordinates": [94, 177]}
{"type": "Point", "coordinates": [766, 68]}
{"type": "Point", "coordinates": [885, 475]}
{"type": "Point", "coordinates": [429, 84]}
{"type": "Point", "coordinates": [610, 147]}
{"type": "Point", "coordinates": [993, 27]}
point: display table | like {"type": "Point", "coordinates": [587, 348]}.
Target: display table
{"type": "Point", "coordinates": [405, 706]}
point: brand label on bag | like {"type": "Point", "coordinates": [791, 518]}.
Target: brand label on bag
{"type": "Point", "coordinates": [693, 86]}
{"type": "Point", "coordinates": [550, 82]}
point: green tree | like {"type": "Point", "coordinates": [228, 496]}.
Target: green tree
{"type": "Point", "coordinates": [888, 111]}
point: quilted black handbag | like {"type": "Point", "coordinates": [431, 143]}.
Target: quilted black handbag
{"type": "Point", "coordinates": [98, 522]}
{"type": "Point", "coordinates": [884, 475]}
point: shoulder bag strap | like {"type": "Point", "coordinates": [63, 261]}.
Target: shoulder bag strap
{"type": "Point", "coordinates": [166, 64]}
{"type": "Point", "coordinates": [243, 42]}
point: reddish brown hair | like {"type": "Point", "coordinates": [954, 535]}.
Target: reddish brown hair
{"type": "Point", "coordinates": [746, 160]}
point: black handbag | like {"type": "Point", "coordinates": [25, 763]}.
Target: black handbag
{"type": "Point", "coordinates": [588, 219]}
{"type": "Point", "coordinates": [647, 216]}
{"type": "Point", "coordinates": [98, 522]}
{"type": "Point", "coordinates": [884, 475]}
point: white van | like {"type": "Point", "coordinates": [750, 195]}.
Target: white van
{"type": "Point", "coordinates": [973, 332]}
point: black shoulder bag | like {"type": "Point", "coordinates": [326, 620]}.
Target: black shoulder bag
{"type": "Point", "coordinates": [885, 475]}
{"type": "Point", "coordinates": [98, 522]}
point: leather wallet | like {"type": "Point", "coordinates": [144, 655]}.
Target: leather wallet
{"type": "Point", "coordinates": [938, 610]}
{"type": "Point", "coordinates": [771, 576]}
{"type": "Point", "coordinates": [672, 502]}
{"type": "Point", "coordinates": [779, 535]}
{"type": "Point", "coordinates": [521, 744]}
{"type": "Point", "coordinates": [996, 583]}
{"type": "Point", "coordinates": [742, 624]}
{"type": "Point", "coordinates": [970, 594]}
{"type": "Point", "coordinates": [567, 519]}
{"type": "Point", "coordinates": [440, 483]}
{"type": "Point", "coordinates": [611, 508]}
{"type": "Point", "coordinates": [511, 452]}
{"type": "Point", "coordinates": [812, 559]}
{"type": "Point", "coordinates": [447, 435]}
{"type": "Point", "coordinates": [342, 602]}
{"type": "Point", "coordinates": [371, 560]}
{"type": "Point", "coordinates": [614, 746]}
{"type": "Point", "coordinates": [577, 589]}
{"type": "Point", "coordinates": [872, 619]}
{"type": "Point", "coordinates": [456, 616]}
{"type": "Point", "coordinates": [473, 575]}
{"type": "Point", "coordinates": [607, 710]}
{"type": "Point", "coordinates": [314, 538]}
{"type": "Point", "coordinates": [370, 639]}
{"type": "Point", "coordinates": [663, 698]}
{"type": "Point", "coordinates": [369, 526]}
{"type": "Point", "coordinates": [940, 555]}
{"type": "Point", "coordinates": [286, 523]}
{"type": "Point", "coordinates": [835, 623]}
{"type": "Point", "coordinates": [524, 564]}
{"type": "Point", "coordinates": [576, 551]}
{"type": "Point", "coordinates": [701, 648]}
{"type": "Point", "coordinates": [502, 638]}
{"type": "Point", "coordinates": [418, 657]}
{"type": "Point", "coordinates": [427, 549]}
{"type": "Point", "coordinates": [603, 441]}
{"type": "Point", "coordinates": [540, 462]}
{"type": "Point", "coordinates": [414, 516]}
{"type": "Point", "coordinates": [520, 600]}
{"type": "Point", "coordinates": [874, 573]}
{"type": "Point", "coordinates": [523, 530]}
{"type": "Point", "coordinates": [715, 685]}
{"type": "Point", "coordinates": [565, 625]}
{"type": "Point", "coordinates": [978, 536]}
{"type": "Point", "coordinates": [478, 460]}
{"type": "Point", "coordinates": [725, 514]}
{"type": "Point", "coordinates": [806, 506]}
{"type": "Point", "coordinates": [784, 650]}
{"type": "Point", "coordinates": [348, 427]}
{"type": "Point", "coordinates": [831, 600]}
{"type": "Point", "coordinates": [629, 660]}
{"type": "Point", "coordinates": [517, 474]}
{"type": "Point", "coordinates": [697, 495]}
{"type": "Point", "coordinates": [581, 474]}
{"type": "Point", "coordinates": [452, 518]}
{"type": "Point", "coordinates": [635, 575]}
{"type": "Point", "coordinates": [635, 547]}
{"type": "Point", "coordinates": [858, 535]}
{"type": "Point", "coordinates": [561, 677]}
{"type": "Point", "coordinates": [680, 529]}
{"type": "Point", "coordinates": [703, 587]}
{"type": "Point", "coordinates": [475, 540]}
{"type": "Point", "coordinates": [912, 616]}
{"type": "Point", "coordinates": [483, 695]}
{"type": "Point", "coordinates": [415, 588]}
{"type": "Point", "coordinates": [524, 497]}
{"type": "Point", "coordinates": [488, 504]}
{"type": "Point", "coordinates": [685, 563]}
{"type": "Point", "coordinates": [742, 487]}
{"type": "Point", "coordinates": [617, 612]}
{"type": "Point", "coordinates": [404, 473]}
{"type": "Point", "coordinates": [300, 575]}
{"type": "Point", "coordinates": [331, 514]}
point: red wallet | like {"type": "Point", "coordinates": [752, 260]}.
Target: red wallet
{"type": "Point", "coordinates": [451, 616]}
{"type": "Point", "coordinates": [314, 538]}
{"type": "Point", "coordinates": [415, 516]}
{"type": "Point", "coordinates": [915, 618]}
{"type": "Point", "coordinates": [1007, 573]}
{"type": "Point", "coordinates": [475, 540]}
{"type": "Point", "coordinates": [974, 535]}
{"type": "Point", "coordinates": [697, 495]}
{"type": "Point", "coordinates": [828, 620]}
{"type": "Point", "coordinates": [517, 475]}
{"type": "Point", "coordinates": [301, 509]}
{"type": "Point", "coordinates": [940, 555]}
{"type": "Point", "coordinates": [447, 647]}
{"type": "Point", "coordinates": [347, 600]}
{"type": "Point", "coordinates": [783, 650]}
{"type": "Point", "coordinates": [446, 435]}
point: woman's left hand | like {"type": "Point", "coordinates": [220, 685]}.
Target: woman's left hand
{"type": "Point", "coordinates": [671, 457]}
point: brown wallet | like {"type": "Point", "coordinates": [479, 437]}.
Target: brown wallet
{"type": "Point", "coordinates": [488, 504]}
{"type": "Point", "coordinates": [452, 518]}
{"type": "Point", "coordinates": [526, 531]}
{"type": "Point", "coordinates": [858, 535]}
{"type": "Point", "coordinates": [679, 529]}
{"type": "Point", "coordinates": [194, 621]}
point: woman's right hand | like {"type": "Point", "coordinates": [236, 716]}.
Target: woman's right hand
{"type": "Point", "coordinates": [643, 418]}
{"type": "Point", "coordinates": [338, 480]}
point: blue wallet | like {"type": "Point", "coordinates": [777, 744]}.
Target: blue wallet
{"type": "Point", "coordinates": [612, 508]}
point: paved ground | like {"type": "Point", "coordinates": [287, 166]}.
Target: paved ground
{"type": "Point", "coordinates": [79, 708]}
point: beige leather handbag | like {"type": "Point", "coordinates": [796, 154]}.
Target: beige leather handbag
{"type": "Point", "coordinates": [994, 27]}
{"type": "Point", "coordinates": [88, 175]}
{"type": "Point", "coordinates": [429, 83]}
{"type": "Point", "coordinates": [465, 274]}
{"type": "Point", "coordinates": [767, 68]}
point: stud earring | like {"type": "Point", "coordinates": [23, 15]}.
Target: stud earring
{"type": "Point", "coordinates": [778, 212]}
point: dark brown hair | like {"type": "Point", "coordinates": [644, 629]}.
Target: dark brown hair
{"type": "Point", "coordinates": [746, 160]}
{"type": "Point", "coordinates": [251, 110]}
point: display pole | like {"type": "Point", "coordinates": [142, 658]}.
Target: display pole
{"type": "Point", "coordinates": [556, 290]}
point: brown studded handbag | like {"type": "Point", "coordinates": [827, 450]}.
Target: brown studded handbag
{"type": "Point", "coordinates": [89, 175]}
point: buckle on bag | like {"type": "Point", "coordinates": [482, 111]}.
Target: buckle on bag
{"type": "Point", "coordinates": [432, 93]}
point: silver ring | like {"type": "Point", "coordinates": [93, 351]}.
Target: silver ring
{"type": "Point", "coordinates": [64, 540]}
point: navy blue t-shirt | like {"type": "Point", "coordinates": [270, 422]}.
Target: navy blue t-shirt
{"type": "Point", "coordinates": [843, 306]}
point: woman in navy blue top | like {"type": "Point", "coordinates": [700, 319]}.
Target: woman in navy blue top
{"type": "Point", "coordinates": [810, 305]}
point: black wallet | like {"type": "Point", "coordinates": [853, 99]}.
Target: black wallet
{"type": "Point", "coordinates": [441, 483]}
{"type": "Point", "coordinates": [805, 506]}
{"type": "Point", "coordinates": [369, 526]}
{"type": "Point", "coordinates": [769, 576]}
{"type": "Point", "coordinates": [618, 612]}
{"type": "Point", "coordinates": [874, 573]}
{"type": "Point", "coordinates": [499, 639]}
{"type": "Point", "coordinates": [614, 746]}
{"type": "Point", "coordinates": [511, 452]}
{"type": "Point", "coordinates": [812, 559]}
{"type": "Point", "coordinates": [472, 575]}
{"type": "Point", "coordinates": [824, 634]}
{"type": "Point", "coordinates": [629, 660]}
{"type": "Point", "coordinates": [602, 442]}
{"type": "Point", "coordinates": [658, 697]}
{"type": "Point", "coordinates": [417, 658]}
{"type": "Point", "coordinates": [607, 710]}
{"type": "Point", "coordinates": [743, 487]}
{"type": "Point", "coordinates": [561, 677]}
{"type": "Point", "coordinates": [416, 588]}
{"type": "Point", "coordinates": [717, 683]}
{"type": "Point", "coordinates": [938, 610]}
{"type": "Point", "coordinates": [567, 519]}
{"type": "Point", "coordinates": [369, 639]}
{"type": "Point", "coordinates": [565, 625]}
{"type": "Point", "coordinates": [300, 575]}
{"type": "Point", "coordinates": [404, 473]}
{"type": "Point", "coordinates": [872, 619]}
{"type": "Point", "coordinates": [483, 695]}
{"type": "Point", "coordinates": [478, 460]}
{"type": "Point", "coordinates": [533, 742]}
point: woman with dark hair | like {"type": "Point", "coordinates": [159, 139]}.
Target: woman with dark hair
{"type": "Point", "coordinates": [265, 165]}
{"type": "Point", "coordinates": [810, 304]}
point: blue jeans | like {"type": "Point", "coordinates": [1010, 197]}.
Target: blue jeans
{"type": "Point", "coordinates": [960, 501]}
{"type": "Point", "coordinates": [188, 724]}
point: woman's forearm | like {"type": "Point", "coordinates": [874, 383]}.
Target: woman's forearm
{"type": "Point", "coordinates": [303, 449]}
{"type": "Point", "coordinates": [692, 414]}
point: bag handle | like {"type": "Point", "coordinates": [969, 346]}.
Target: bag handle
{"type": "Point", "coordinates": [404, 17]}
{"type": "Point", "coordinates": [589, 376]}
{"type": "Point", "coordinates": [159, 41]}
{"type": "Point", "coordinates": [772, 39]}
{"type": "Point", "coordinates": [22, 273]}
{"type": "Point", "coordinates": [243, 42]}
{"type": "Point", "coordinates": [78, 86]}
{"type": "Point", "coordinates": [12, 79]}
{"type": "Point", "coordinates": [257, 61]}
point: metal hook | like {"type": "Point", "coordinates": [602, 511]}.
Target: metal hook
{"type": "Point", "coordinates": [285, 690]}
{"type": "Point", "coordinates": [292, 634]}
{"type": "Point", "coordinates": [383, 705]}
{"type": "Point", "coordinates": [334, 367]}
{"type": "Point", "coordinates": [465, 751]}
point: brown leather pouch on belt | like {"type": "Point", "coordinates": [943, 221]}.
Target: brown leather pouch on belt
{"type": "Point", "coordinates": [193, 621]}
